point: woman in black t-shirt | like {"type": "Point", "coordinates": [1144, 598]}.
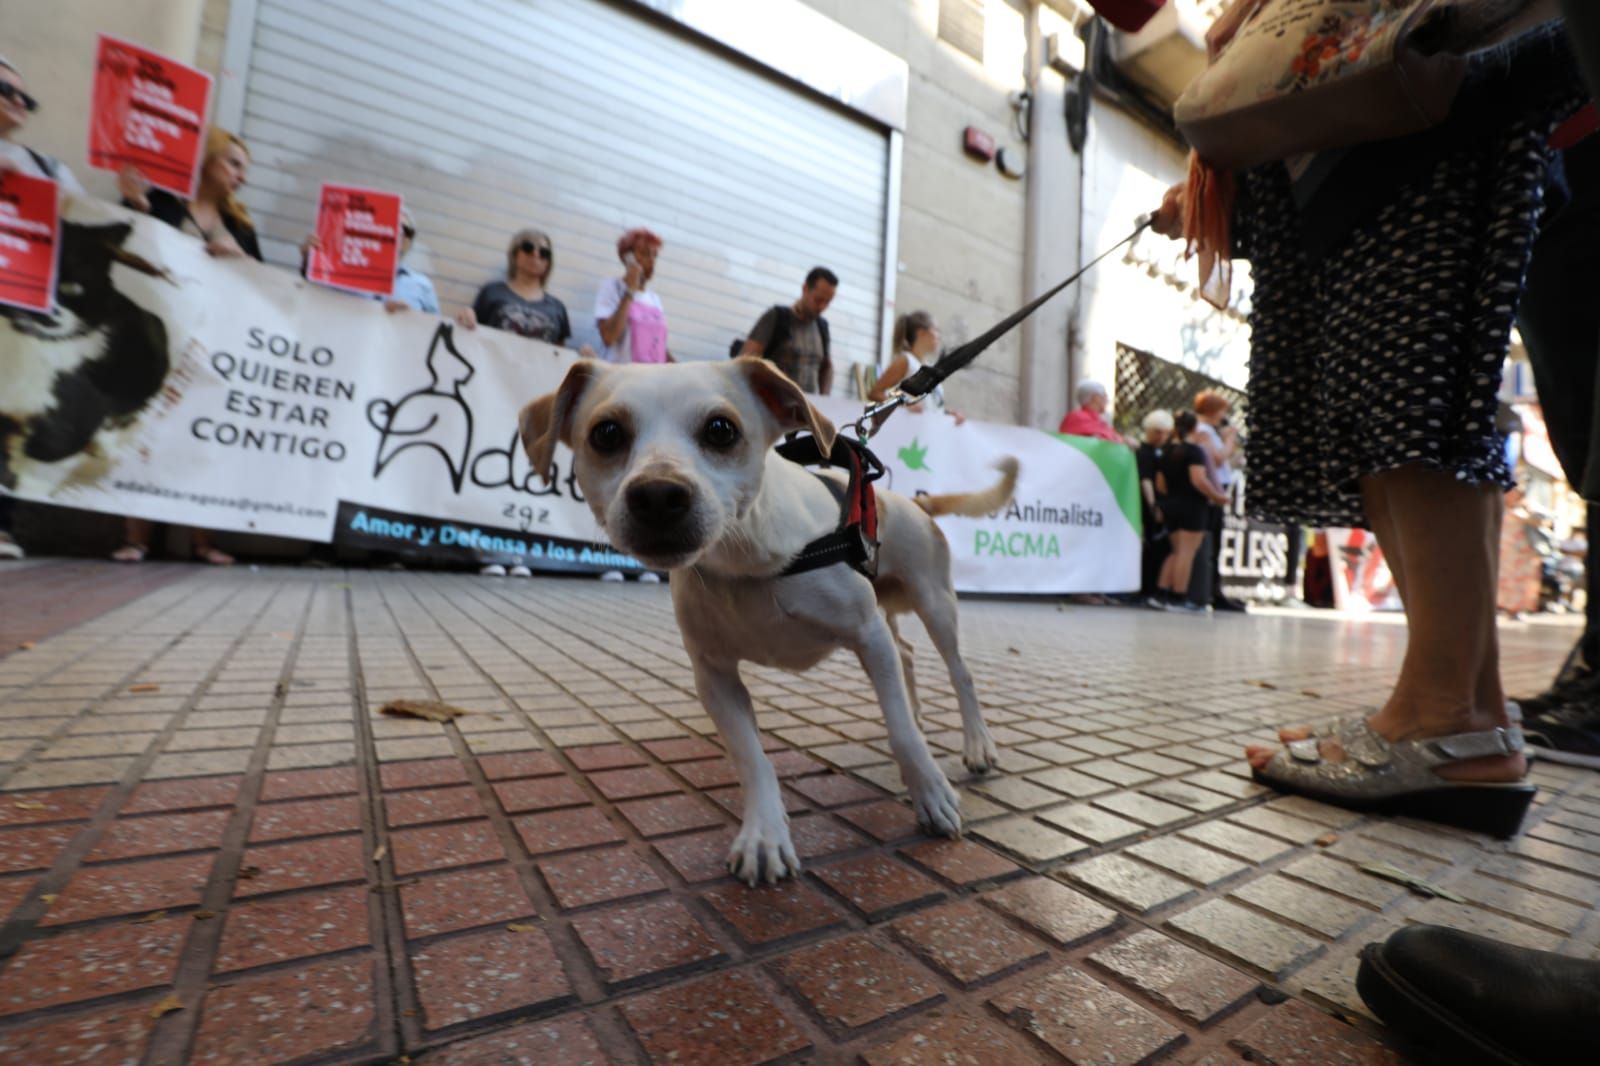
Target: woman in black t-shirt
{"type": "Point", "coordinates": [520, 304]}
{"type": "Point", "coordinates": [1185, 488]}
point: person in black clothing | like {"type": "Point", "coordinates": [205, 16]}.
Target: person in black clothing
{"type": "Point", "coordinates": [1184, 489]}
{"type": "Point", "coordinates": [520, 304]}
{"type": "Point", "coordinates": [1157, 427]}
{"type": "Point", "coordinates": [216, 217]}
{"type": "Point", "coordinates": [795, 338]}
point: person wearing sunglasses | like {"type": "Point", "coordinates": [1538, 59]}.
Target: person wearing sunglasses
{"type": "Point", "coordinates": [413, 290]}
{"type": "Point", "coordinates": [16, 106]}
{"type": "Point", "coordinates": [520, 304]}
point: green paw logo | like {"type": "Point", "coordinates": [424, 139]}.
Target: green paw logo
{"type": "Point", "coordinates": [915, 456]}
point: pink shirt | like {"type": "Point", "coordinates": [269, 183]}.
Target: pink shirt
{"type": "Point", "coordinates": [1085, 423]}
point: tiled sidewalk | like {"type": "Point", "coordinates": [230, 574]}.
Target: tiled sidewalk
{"type": "Point", "coordinates": [212, 850]}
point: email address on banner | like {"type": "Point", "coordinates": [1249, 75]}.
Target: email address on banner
{"type": "Point", "coordinates": [234, 503]}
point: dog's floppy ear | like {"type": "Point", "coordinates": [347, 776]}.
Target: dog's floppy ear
{"type": "Point", "coordinates": [784, 401]}
{"type": "Point", "coordinates": [548, 420]}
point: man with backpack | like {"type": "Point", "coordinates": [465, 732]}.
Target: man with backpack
{"type": "Point", "coordinates": [795, 338]}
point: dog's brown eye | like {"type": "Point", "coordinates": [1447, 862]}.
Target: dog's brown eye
{"type": "Point", "coordinates": [607, 437]}
{"type": "Point", "coordinates": [720, 432]}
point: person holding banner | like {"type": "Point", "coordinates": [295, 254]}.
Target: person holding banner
{"type": "Point", "coordinates": [215, 215]}
{"type": "Point", "coordinates": [15, 108]}
{"type": "Point", "coordinates": [520, 304]}
{"type": "Point", "coordinates": [413, 290]}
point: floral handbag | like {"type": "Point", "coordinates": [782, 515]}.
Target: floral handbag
{"type": "Point", "coordinates": [1302, 76]}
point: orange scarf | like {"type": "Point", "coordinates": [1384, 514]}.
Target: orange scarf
{"type": "Point", "coordinates": [1207, 218]}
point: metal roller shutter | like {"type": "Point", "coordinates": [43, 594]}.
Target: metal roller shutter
{"type": "Point", "coordinates": [583, 119]}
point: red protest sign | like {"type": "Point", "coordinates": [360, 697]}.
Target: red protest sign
{"type": "Point", "coordinates": [29, 234]}
{"type": "Point", "coordinates": [360, 234]}
{"type": "Point", "coordinates": [149, 111]}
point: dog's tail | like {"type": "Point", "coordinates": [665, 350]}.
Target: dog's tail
{"type": "Point", "coordinates": [976, 504]}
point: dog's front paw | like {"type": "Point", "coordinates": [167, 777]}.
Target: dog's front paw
{"type": "Point", "coordinates": [937, 805]}
{"type": "Point", "coordinates": [978, 751]}
{"type": "Point", "coordinates": [763, 851]}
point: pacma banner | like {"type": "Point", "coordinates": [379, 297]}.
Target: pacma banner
{"type": "Point", "coordinates": [229, 395]}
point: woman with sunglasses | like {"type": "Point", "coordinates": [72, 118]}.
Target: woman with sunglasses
{"type": "Point", "coordinates": [520, 304]}
{"type": "Point", "coordinates": [15, 107]}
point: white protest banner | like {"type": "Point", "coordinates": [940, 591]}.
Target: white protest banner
{"type": "Point", "coordinates": [1073, 527]}
{"type": "Point", "coordinates": [229, 395]}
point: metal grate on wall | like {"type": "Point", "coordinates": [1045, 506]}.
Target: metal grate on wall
{"type": "Point", "coordinates": [1146, 382]}
{"type": "Point", "coordinates": [961, 26]}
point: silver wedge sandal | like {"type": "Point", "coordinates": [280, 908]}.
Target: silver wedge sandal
{"type": "Point", "coordinates": [1397, 777]}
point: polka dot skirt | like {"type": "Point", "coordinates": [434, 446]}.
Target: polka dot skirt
{"type": "Point", "coordinates": [1389, 351]}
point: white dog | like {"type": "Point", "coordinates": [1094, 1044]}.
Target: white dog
{"type": "Point", "coordinates": [677, 463]}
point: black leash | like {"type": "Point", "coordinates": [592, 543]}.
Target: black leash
{"type": "Point", "coordinates": [930, 377]}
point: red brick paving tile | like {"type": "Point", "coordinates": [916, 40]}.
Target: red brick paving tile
{"type": "Point", "coordinates": [90, 963]}
{"type": "Point", "coordinates": [730, 1019]}
{"type": "Point", "coordinates": [1049, 907]}
{"type": "Point", "coordinates": [961, 861]}
{"type": "Point", "coordinates": [423, 773]}
{"type": "Point", "coordinates": [299, 784]}
{"type": "Point", "coordinates": [131, 888]}
{"type": "Point", "coordinates": [886, 819]}
{"type": "Point", "coordinates": [604, 757]}
{"type": "Point", "coordinates": [712, 773]}
{"type": "Point", "coordinates": [50, 805]}
{"type": "Point", "coordinates": [876, 885]}
{"type": "Point", "coordinates": [115, 1037]}
{"type": "Point", "coordinates": [732, 800]}
{"type": "Point", "coordinates": [773, 912]}
{"type": "Point", "coordinates": [952, 1040]}
{"type": "Point", "coordinates": [819, 834]}
{"type": "Point", "coordinates": [506, 764]}
{"type": "Point", "coordinates": [301, 864]}
{"type": "Point", "coordinates": [701, 857]}
{"type": "Point", "coordinates": [35, 847]}
{"type": "Point", "coordinates": [462, 899]}
{"type": "Point", "coordinates": [1086, 1021]}
{"type": "Point", "coordinates": [834, 790]}
{"type": "Point", "coordinates": [183, 794]}
{"type": "Point", "coordinates": [432, 805]}
{"type": "Point", "coordinates": [598, 877]}
{"type": "Point", "coordinates": [1196, 986]}
{"type": "Point", "coordinates": [852, 981]}
{"type": "Point", "coordinates": [1294, 1034]}
{"type": "Point", "coordinates": [436, 847]}
{"type": "Point", "coordinates": [628, 943]}
{"type": "Point", "coordinates": [682, 749]}
{"type": "Point", "coordinates": [631, 784]}
{"type": "Point", "coordinates": [286, 1015]}
{"type": "Point", "coordinates": [966, 942]}
{"type": "Point", "coordinates": [539, 794]}
{"type": "Point", "coordinates": [796, 763]}
{"type": "Point", "coordinates": [565, 1042]}
{"type": "Point", "coordinates": [293, 927]}
{"type": "Point", "coordinates": [487, 973]}
{"type": "Point", "coordinates": [561, 830]}
{"type": "Point", "coordinates": [12, 892]}
{"type": "Point", "coordinates": [669, 814]}
{"type": "Point", "coordinates": [159, 834]}
{"type": "Point", "coordinates": [305, 818]}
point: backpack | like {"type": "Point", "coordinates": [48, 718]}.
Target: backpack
{"type": "Point", "coordinates": [780, 334]}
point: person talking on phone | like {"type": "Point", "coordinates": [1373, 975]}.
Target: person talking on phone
{"type": "Point", "coordinates": [633, 325]}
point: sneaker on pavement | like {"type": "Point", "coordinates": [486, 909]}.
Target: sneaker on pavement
{"type": "Point", "coordinates": [10, 549]}
{"type": "Point", "coordinates": [1568, 735]}
{"type": "Point", "coordinates": [520, 571]}
{"type": "Point", "coordinates": [649, 577]}
{"type": "Point", "coordinates": [493, 570]}
{"type": "Point", "coordinates": [1186, 607]}
{"type": "Point", "coordinates": [612, 575]}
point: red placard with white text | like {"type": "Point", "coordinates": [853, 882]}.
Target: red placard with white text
{"type": "Point", "coordinates": [149, 111]}
{"type": "Point", "coordinates": [360, 234]}
{"type": "Point", "coordinates": [29, 235]}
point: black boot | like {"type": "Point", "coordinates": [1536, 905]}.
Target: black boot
{"type": "Point", "coordinates": [1467, 1000]}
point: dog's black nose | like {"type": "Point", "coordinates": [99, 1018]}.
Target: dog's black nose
{"type": "Point", "coordinates": [659, 500]}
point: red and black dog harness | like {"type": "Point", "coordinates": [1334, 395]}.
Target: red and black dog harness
{"type": "Point", "coordinates": [855, 541]}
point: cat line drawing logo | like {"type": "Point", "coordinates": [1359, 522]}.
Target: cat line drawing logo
{"type": "Point", "coordinates": [434, 418]}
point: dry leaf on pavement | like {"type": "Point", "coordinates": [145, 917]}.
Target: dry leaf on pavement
{"type": "Point", "coordinates": [145, 686]}
{"type": "Point", "coordinates": [167, 1005]}
{"type": "Point", "coordinates": [521, 927]}
{"type": "Point", "coordinates": [430, 710]}
{"type": "Point", "coordinates": [153, 916]}
{"type": "Point", "coordinates": [377, 856]}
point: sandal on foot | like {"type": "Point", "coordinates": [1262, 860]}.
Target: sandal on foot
{"type": "Point", "coordinates": [1397, 777]}
{"type": "Point", "coordinates": [131, 553]}
{"type": "Point", "coordinates": [213, 557]}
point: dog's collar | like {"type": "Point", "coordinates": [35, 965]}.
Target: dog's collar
{"type": "Point", "coordinates": [855, 541]}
